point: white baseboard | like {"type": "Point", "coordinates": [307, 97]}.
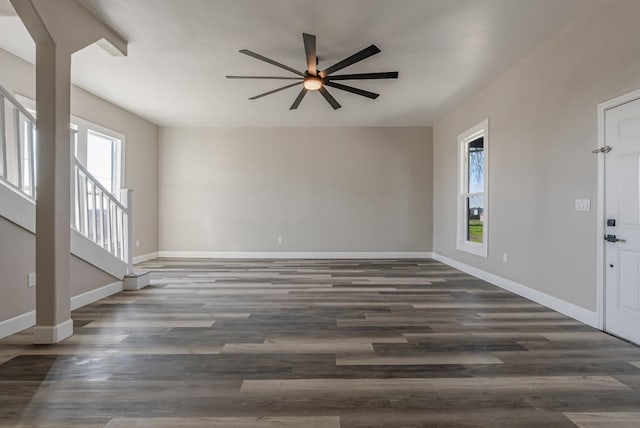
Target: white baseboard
{"type": "Point", "coordinates": [22, 322]}
{"type": "Point", "coordinates": [94, 295]}
{"type": "Point", "coordinates": [293, 255]}
{"type": "Point", "coordinates": [145, 258]}
{"type": "Point", "coordinates": [17, 323]}
{"type": "Point", "coordinates": [569, 309]}
{"type": "Point", "coordinates": [45, 335]}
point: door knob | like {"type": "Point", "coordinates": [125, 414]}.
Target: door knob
{"type": "Point", "coordinates": [613, 238]}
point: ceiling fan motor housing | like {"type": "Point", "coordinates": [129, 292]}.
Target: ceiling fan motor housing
{"type": "Point", "coordinates": [313, 83]}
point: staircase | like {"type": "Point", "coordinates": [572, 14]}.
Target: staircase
{"type": "Point", "coordinates": [100, 222]}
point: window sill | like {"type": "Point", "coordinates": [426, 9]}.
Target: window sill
{"type": "Point", "coordinates": [479, 250]}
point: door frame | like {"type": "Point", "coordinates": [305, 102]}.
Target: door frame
{"type": "Point", "coordinates": [600, 264]}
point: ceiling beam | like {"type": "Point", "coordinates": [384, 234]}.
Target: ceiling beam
{"type": "Point", "coordinates": [69, 25]}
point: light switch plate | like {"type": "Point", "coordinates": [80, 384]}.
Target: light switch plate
{"type": "Point", "coordinates": [31, 279]}
{"type": "Point", "coordinates": [583, 205]}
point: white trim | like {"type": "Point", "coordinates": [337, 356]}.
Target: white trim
{"type": "Point", "coordinates": [136, 281]}
{"type": "Point", "coordinates": [145, 258]}
{"type": "Point", "coordinates": [83, 126]}
{"type": "Point", "coordinates": [600, 217]}
{"type": "Point", "coordinates": [46, 335]}
{"type": "Point", "coordinates": [293, 255]}
{"type": "Point", "coordinates": [22, 212]}
{"type": "Point", "coordinates": [100, 129]}
{"type": "Point", "coordinates": [118, 156]}
{"type": "Point", "coordinates": [22, 322]}
{"type": "Point", "coordinates": [90, 252]}
{"type": "Point", "coordinates": [481, 250]}
{"type": "Point", "coordinates": [16, 208]}
{"type": "Point", "coordinates": [569, 309]}
{"type": "Point", "coordinates": [17, 323]}
{"type": "Point", "coordinates": [600, 271]}
{"type": "Point", "coordinates": [91, 296]}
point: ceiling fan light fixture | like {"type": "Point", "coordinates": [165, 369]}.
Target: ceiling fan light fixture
{"type": "Point", "coordinates": [312, 83]}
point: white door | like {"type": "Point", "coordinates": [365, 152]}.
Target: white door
{"type": "Point", "coordinates": [622, 249]}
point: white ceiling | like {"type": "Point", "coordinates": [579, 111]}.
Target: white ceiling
{"type": "Point", "coordinates": [180, 51]}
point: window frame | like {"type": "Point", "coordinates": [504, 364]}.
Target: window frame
{"type": "Point", "coordinates": [83, 127]}
{"type": "Point", "coordinates": [481, 130]}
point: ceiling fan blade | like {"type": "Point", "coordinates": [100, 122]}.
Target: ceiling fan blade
{"type": "Point", "coordinates": [270, 61]}
{"type": "Point", "coordinates": [353, 90]}
{"type": "Point", "coordinates": [264, 77]}
{"type": "Point", "coordinates": [357, 57]}
{"type": "Point", "coordinates": [298, 100]}
{"type": "Point", "coordinates": [364, 76]}
{"type": "Point", "coordinates": [310, 51]}
{"type": "Point", "coordinates": [274, 91]}
{"type": "Point", "coordinates": [327, 96]}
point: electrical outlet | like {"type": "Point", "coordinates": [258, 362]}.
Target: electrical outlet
{"type": "Point", "coordinates": [137, 243]}
{"type": "Point", "coordinates": [583, 205]}
{"type": "Point", "coordinates": [279, 239]}
{"type": "Point", "coordinates": [505, 257]}
{"type": "Point", "coordinates": [31, 279]}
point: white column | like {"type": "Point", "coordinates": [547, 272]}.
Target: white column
{"type": "Point", "coordinates": [59, 28]}
{"type": "Point", "coordinates": [53, 252]}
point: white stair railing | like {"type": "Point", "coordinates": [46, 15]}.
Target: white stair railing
{"type": "Point", "coordinates": [17, 146]}
{"type": "Point", "coordinates": [95, 212]}
{"type": "Point", "coordinates": [98, 214]}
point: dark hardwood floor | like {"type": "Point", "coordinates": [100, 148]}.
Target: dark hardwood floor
{"type": "Point", "coordinates": [319, 344]}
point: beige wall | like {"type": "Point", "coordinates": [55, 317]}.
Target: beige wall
{"type": "Point", "coordinates": [542, 120]}
{"type": "Point", "coordinates": [320, 189]}
{"type": "Point", "coordinates": [141, 147]}
{"type": "Point", "coordinates": [86, 277]}
{"type": "Point", "coordinates": [17, 259]}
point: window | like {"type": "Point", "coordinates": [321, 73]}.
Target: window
{"type": "Point", "coordinates": [27, 151]}
{"type": "Point", "coordinates": [102, 160]}
{"type": "Point", "coordinates": [97, 148]}
{"type": "Point", "coordinates": [100, 150]}
{"type": "Point", "coordinates": [473, 190]}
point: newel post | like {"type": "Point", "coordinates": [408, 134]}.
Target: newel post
{"type": "Point", "coordinates": [127, 201]}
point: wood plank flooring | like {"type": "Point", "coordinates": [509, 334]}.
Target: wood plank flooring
{"type": "Point", "coordinates": [319, 344]}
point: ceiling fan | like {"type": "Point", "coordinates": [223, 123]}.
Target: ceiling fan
{"type": "Point", "coordinates": [317, 80]}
